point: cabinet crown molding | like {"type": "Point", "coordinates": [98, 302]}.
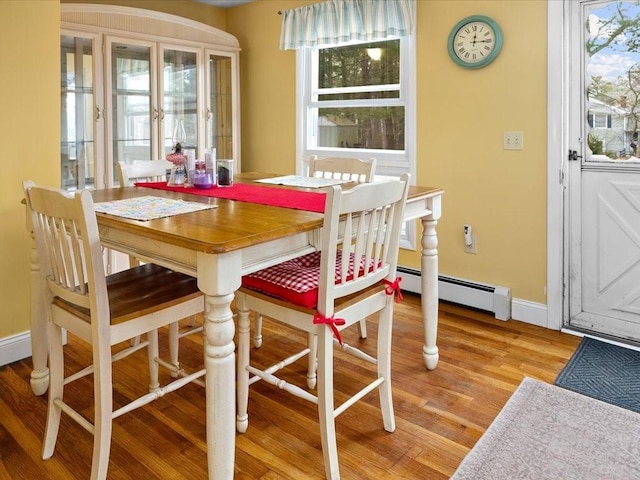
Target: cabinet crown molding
{"type": "Point", "coordinates": [119, 19]}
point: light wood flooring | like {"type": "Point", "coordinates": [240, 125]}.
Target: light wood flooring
{"type": "Point", "coordinates": [440, 414]}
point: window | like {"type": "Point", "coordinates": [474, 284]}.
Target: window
{"type": "Point", "coordinates": [358, 100]}
{"type": "Point", "coordinates": [599, 120]}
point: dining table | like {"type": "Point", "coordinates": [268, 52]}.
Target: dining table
{"type": "Point", "coordinates": [235, 236]}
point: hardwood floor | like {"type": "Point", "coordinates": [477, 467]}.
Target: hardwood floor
{"type": "Point", "coordinates": [440, 414]}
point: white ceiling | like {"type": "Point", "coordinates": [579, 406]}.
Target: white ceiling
{"type": "Point", "coordinates": [224, 3]}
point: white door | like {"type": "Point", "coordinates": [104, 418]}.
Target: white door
{"type": "Point", "coordinates": [603, 185]}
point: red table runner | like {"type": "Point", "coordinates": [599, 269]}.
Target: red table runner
{"type": "Point", "coordinates": [243, 192]}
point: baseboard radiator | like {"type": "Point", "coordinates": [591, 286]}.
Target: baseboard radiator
{"type": "Point", "coordinates": [491, 298]}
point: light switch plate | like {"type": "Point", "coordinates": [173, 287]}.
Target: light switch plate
{"type": "Point", "coordinates": [513, 141]}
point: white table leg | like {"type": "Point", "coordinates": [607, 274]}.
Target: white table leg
{"type": "Point", "coordinates": [219, 277]}
{"type": "Point", "coordinates": [429, 274]}
{"type": "Point", "coordinates": [38, 323]}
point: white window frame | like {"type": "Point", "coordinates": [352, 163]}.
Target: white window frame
{"type": "Point", "coordinates": [389, 162]}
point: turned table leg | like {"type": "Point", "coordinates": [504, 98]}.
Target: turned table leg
{"type": "Point", "coordinates": [429, 266]}
{"type": "Point", "coordinates": [429, 274]}
{"type": "Point", "coordinates": [38, 323]}
{"type": "Point", "coordinates": [219, 277]}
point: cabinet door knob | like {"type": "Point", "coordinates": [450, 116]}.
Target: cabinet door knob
{"type": "Point", "coordinates": [98, 113]}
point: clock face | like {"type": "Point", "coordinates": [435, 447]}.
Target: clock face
{"type": "Point", "coordinates": [474, 42]}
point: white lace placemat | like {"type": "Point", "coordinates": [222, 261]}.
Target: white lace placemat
{"type": "Point", "coordinates": [149, 207]}
{"type": "Point", "coordinates": [300, 181]}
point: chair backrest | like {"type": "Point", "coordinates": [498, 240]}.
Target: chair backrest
{"type": "Point", "coordinates": [351, 169]}
{"type": "Point", "coordinates": [142, 170]}
{"type": "Point", "coordinates": [66, 233]}
{"type": "Point", "coordinates": [363, 226]}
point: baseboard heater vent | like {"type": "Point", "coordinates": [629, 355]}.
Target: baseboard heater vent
{"type": "Point", "coordinates": [491, 298]}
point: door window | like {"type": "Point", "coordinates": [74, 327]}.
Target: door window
{"type": "Point", "coordinates": [613, 92]}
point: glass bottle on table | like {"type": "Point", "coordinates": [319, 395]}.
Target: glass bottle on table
{"type": "Point", "coordinates": [224, 169]}
{"type": "Point", "coordinates": [178, 174]}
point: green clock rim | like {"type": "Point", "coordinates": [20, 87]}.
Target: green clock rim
{"type": "Point", "coordinates": [491, 57]}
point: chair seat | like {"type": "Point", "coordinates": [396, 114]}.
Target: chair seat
{"type": "Point", "coordinates": [296, 280]}
{"type": "Point", "coordinates": [139, 291]}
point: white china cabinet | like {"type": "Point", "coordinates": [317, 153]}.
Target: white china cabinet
{"type": "Point", "coordinates": [134, 82]}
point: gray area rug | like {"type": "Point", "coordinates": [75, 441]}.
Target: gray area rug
{"type": "Point", "coordinates": [604, 371]}
{"type": "Point", "coordinates": [546, 432]}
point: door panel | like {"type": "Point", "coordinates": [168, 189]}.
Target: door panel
{"type": "Point", "coordinates": [221, 115]}
{"type": "Point", "coordinates": [134, 113]}
{"type": "Point", "coordinates": [611, 254]}
{"type": "Point", "coordinates": [81, 110]}
{"type": "Point", "coordinates": [179, 87]}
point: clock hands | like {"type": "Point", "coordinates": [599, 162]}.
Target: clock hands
{"type": "Point", "coordinates": [475, 40]}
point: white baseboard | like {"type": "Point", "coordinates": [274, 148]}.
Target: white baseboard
{"type": "Point", "coordinates": [15, 347]}
{"type": "Point", "coordinates": [494, 299]}
{"type": "Point", "coordinates": [529, 312]}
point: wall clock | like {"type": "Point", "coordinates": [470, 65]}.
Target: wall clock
{"type": "Point", "coordinates": [475, 41]}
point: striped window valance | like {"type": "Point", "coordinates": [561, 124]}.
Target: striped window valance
{"type": "Point", "coordinates": [342, 21]}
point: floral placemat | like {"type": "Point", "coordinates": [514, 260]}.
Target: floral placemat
{"type": "Point", "coordinates": [149, 207]}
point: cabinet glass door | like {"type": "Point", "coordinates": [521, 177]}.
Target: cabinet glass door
{"type": "Point", "coordinates": [180, 99]}
{"type": "Point", "coordinates": [133, 112]}
{"type": "Point", "coordinates": [79, 111]}
{"type": "Point", "coordinates": [220, 112]}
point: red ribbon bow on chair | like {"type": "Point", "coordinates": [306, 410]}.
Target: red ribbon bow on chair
{"type": "Point", "coordinates": [393, 287]}
{"type": "Point", "coordinates": [318, 318]}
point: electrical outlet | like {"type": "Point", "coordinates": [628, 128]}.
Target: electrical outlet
{"type": "Point", "coordinates": [513, 141]}
{"type": "Point", "coordinates": [473, 248]}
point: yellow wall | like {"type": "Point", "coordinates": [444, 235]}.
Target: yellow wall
{"type": "Point", "coordinates": [29, 138]}
{"type": "Point", "coordinates": [461, 117]}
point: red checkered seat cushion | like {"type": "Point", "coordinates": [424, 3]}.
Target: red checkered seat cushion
{"type": "Point", "coordinates": [295, 280]}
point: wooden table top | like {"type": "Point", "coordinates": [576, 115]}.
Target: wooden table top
{"type": "Point", "coordinates": [231, 226]}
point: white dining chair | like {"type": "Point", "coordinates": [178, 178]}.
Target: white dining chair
{"type": "Point", "coordinates": [101, 310]}
{"type": "Point", "coordinates": [142, 170]}
{"type": "Point", "coordinates": [156, 171]}
{"type": "Point", "coordinates": [360, 170]}
{"type": "Point", "coordinates": [347, 169]}
{"type": "Point", "coordinates": [352, 276]}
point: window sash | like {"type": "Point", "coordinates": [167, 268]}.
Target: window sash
{"type": "Point", "coordinates": [390, 162]}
